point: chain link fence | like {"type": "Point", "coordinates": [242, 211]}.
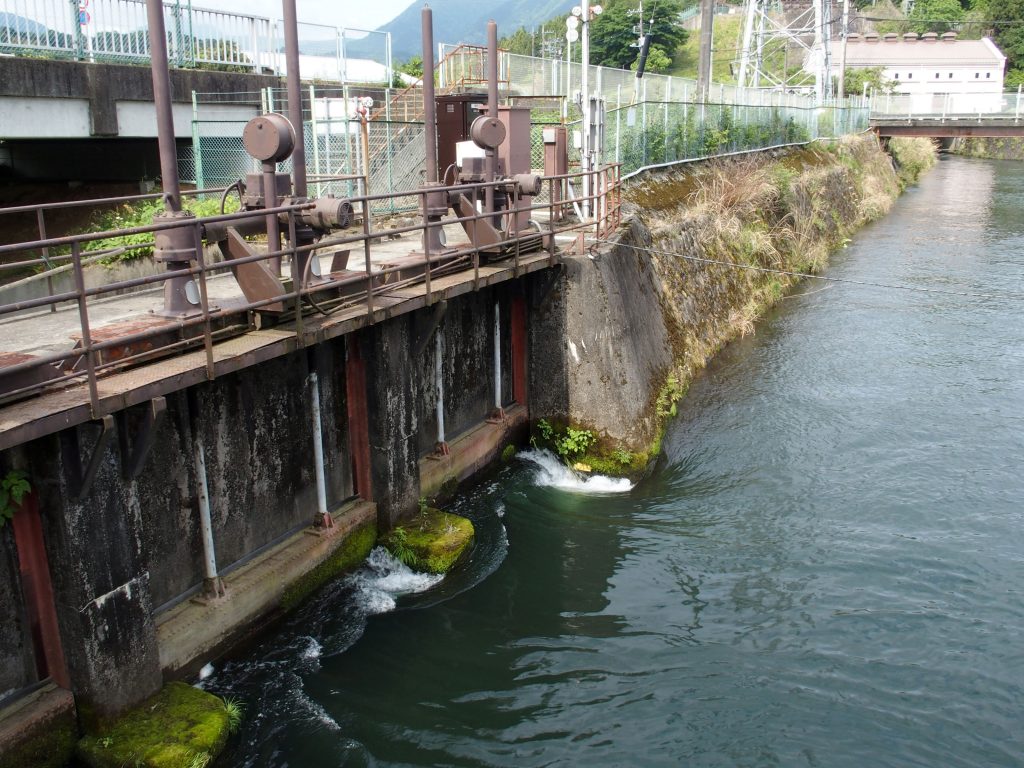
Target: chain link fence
{"type": "Point", "coordinates": [652, 121]}
{"type": "Point", "coordinates": [654, 133]}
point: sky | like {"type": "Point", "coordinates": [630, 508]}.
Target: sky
{"type": "Point", "coordinates": [336, 13]}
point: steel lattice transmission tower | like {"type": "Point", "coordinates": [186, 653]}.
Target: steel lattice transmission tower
{"type": "Point", "coordinates": [771, 33]}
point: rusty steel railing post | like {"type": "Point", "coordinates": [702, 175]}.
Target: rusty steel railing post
{"type": "Point", "coordinates": [426, 253]}
{"type": "Point", "coordinates": [45, 252]}
{"type": "Point", "coordinates": [551, 222]}
{"type": "Point", "coordinates": [366, 257]}
{"type": "Point", "coordinates": [204, 300]}
{"type": "Point", "coordinates": [291, 55]}
{"type": "Point", "coordinates": [296, 277]}
{"type": "Point", "coordinates": [83, 317]}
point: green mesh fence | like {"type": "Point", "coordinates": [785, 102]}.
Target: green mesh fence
{"type": "Point", "coordinates": [648, 133]}
{"type": "Point", "coordinates": [639, 135]}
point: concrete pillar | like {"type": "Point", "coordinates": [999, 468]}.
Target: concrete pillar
{"type": "Point", "coordinates": [101, 587]}
{"type": "Point", "coordinates": [391, 416]}
{"type": "Point", "coordinates": [548, 378]}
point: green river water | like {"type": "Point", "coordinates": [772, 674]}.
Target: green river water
{"type": "Point", "coordinates": [824, 568]}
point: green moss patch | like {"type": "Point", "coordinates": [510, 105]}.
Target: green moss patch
{"type": "Point", "coordinates": [50, 747]}
{"type": "Point", "coordinates": [180, 727]}
{"type": "Point", "coordinates": [433, 541]}
{"type": "Point", "coordinates": [351, 553]}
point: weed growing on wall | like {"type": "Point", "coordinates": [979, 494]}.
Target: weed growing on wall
{"type": "Point", "coordinates": [13, 489]}
{"type": "Point", "coordinates": [569, 443]}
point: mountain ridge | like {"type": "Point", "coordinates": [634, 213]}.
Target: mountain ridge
{"type": "Point", "coordinates": [465, 21]}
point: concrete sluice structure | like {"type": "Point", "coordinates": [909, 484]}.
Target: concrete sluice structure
{"type": "Point", "coordinates": [193, 450]}
{"type": "Point", "coordinates": [194, 475]}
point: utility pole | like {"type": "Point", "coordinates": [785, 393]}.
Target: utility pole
{"type": "Point", "coordinates": [845, 32]}
{"type": "Point", "coordinates": [707, 20]}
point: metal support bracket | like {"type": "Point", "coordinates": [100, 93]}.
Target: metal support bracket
{"type": "Point", "coordinates": [134, 452]}
{"type": "Point", "coordinates": [255, 279]}
{"type": "Point", "coordinates": [79, 481]}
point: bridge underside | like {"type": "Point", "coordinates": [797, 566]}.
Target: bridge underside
{"type": "Point", "coordinates": [946, 129]}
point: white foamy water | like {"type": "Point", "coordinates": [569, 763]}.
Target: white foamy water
{"type": "Point", "coordinates": [313, 650]}
{"type": "Point", "coordinates": [384, 578]}
{"type": "Point", "coordinates": [552, 472]}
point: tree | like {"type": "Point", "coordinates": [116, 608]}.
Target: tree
{"type": "Point", "coordinates": [1007, 19]}
{"type": "Point", "coordinates": [613, 39]}
{"type": "Point", "coordinates": [545, 41]}
{"type": "Point", "coordinates": [858, 77]}
{"type": "Point", "coordinates": [936, 15]}
{"type": "Point", "coordinates": [657, 60]}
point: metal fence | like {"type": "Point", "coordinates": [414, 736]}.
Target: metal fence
{"type": "Point", "coordinates": [117, 31]}
{"type": "Point", "coordinates": [533, 76]}
{"type": "Point", "coordinates": [995, 105]}
{"type": "Point", "coordinates": [655, 133]}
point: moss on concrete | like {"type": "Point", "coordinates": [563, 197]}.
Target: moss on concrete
{"type": "Point", "coordinates": [51, 747]}
{"type": "Point", "coordinates": [433, 541]}
{"type": "Point", "coordinates": [774, 216]}
{"type": "Point", "coordinates": [350, 554]}
{"type": "Point", "coordinates": [180, 727]}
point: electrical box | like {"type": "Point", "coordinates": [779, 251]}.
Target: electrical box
{"type": "Point", "coordinates": [455, 113]}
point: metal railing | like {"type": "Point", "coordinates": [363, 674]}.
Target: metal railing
{"type": "Point", "coordinates": [997, 105]}
{"type": "Point", "coordinates": [116, 31]}
{"type": "Point", "coordinates": [98, 354]}
{"type": "Point", "coordinates": [533, 76]}
{"type": "Point", "coordinates": [655, 133]}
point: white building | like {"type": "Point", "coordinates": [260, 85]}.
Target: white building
{"type": "Point", "coordinates": [936, 74]}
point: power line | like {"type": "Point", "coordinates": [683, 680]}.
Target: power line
{"type": "Point", "coordinates": [809, 275]}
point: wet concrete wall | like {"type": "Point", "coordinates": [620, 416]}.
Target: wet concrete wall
{"type": "Point", "coordinates": [600, 348]}
{"type": "Point", "coordinates": [17, 660]}
{"type": "Point", "coordinates": [125, 548]}
{"type": "Point", "coordinates": [467, 364]}
{"type": "Point", "coordinates": [129, 545]}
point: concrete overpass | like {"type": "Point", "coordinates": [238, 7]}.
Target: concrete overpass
{"type": "Point", "coordinates": [73, 119]}
{"type": "Point", "coordinates": [944, 127]}
{"type": "Point", "coordinates": [998, 114]}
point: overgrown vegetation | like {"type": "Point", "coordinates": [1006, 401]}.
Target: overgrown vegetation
{"type": "Point", "coordinates": [180, 726]}
{"type": "Point", "coordinates": [236, 713]}
{"type": "Point", "coordinates": [569, 443]}
{"type": "Point", "coordinates": [13, 489]}
{"type": "Point", "coordinates": [433, 542]}
{"type": "Point", "coordinates": [140, 214]}
{"type": "Point", "coordinates": [613, 39]}
{"type": "Point", "coordinates": [912, 157]}
{"type": "Point", "coordinates": [670, 132]}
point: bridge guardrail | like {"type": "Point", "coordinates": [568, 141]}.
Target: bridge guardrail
{"type": "Point", "coordinates": [995, 105]}
{"type": "Point", "coordinates": [116, 31]}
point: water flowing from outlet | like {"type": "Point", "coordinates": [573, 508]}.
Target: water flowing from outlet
{"type": "Point", "coordinates": [552, 472]}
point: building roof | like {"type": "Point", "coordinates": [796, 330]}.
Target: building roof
{"type": "Point", "coordinates": [902, 52]}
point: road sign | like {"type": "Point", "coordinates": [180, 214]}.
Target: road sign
{"type": "Point", "coordinates": [84, 17]}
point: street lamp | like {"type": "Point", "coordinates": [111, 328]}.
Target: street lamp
{"type": "Point", "coordinates": [584, 13]}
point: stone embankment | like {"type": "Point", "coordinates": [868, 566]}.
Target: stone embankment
{"type": "Point", "coordinates": [705, 250]}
